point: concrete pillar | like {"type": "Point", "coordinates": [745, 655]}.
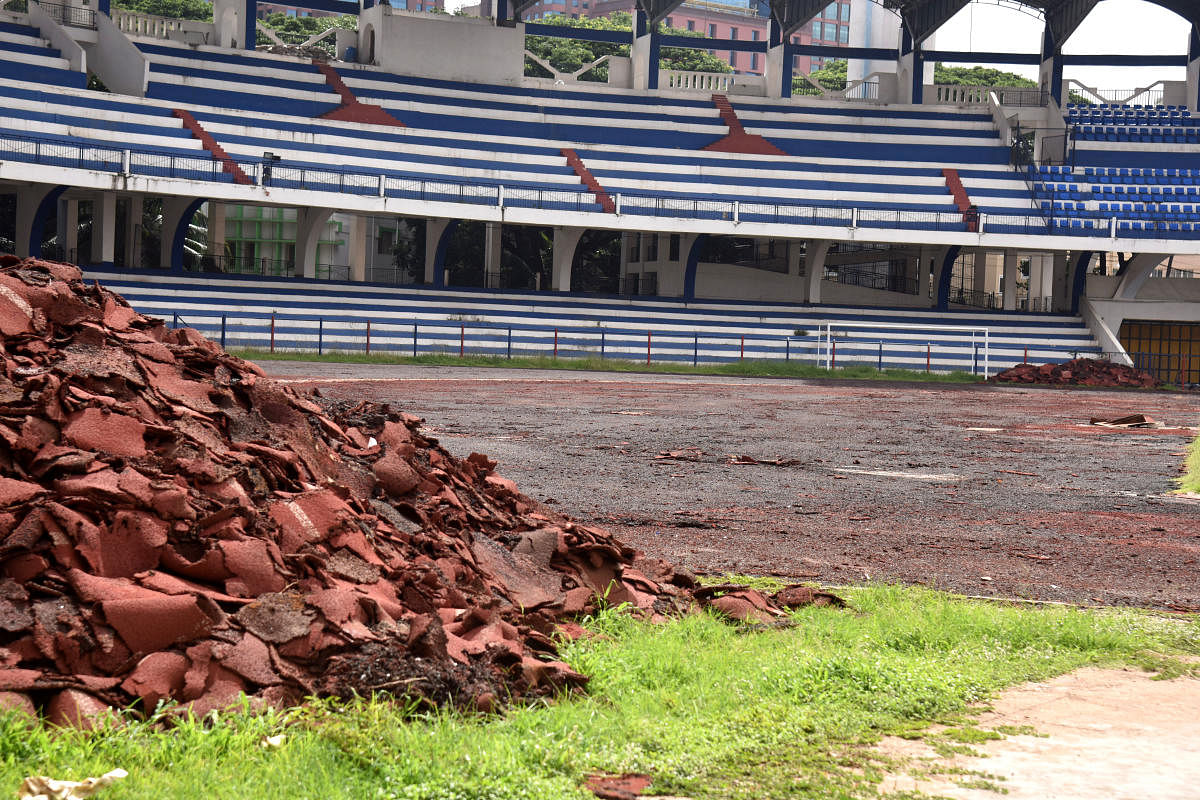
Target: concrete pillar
{"type": "Point", "coordinates": [310, 224]}
{"type": "Point", "coordinates": [910, 70]}
{"type": "Point", "coordinates": [68, 227]}
{"type": "Point", "coordinates": [1051, 71]}
{"type": "Point", "coordinates": [104, 229]}
{"type": "Point", "coordinates": [777, 67]}
{"type": "Point", "coordinates": [358, 247]}
{"type": "Point", "coordinates": [34, 206]}
{"type": "Point", "coordinates": [1134, 274]}
{"type": "Point", "coordinates": [1193, 70]}
{"type": "Point", "coordinates": [814, 268]}
{"type": "Point", "coordinates": [177, 214]}
{"type": "Point", "coordinates": [216, 229]}
{"type": "Point", "coordinates": [1010, 280]}
{"type": "Point", "coordinates": [643, 52]}
{"type": "Point", "coordinates": [979, 271]}
{"type": "Point", "coordinates": [795, 265]}
{"type": "Point", "coordinates": [566, 240]}
{"type": "Point", "coordinates": [492, 252]}
{"type": "Point", "coordinates": [133, 232]}
{"type": "Point", "coordinates": [437, 237]}
{"type": "Point", "coordinates": [1060, 293]}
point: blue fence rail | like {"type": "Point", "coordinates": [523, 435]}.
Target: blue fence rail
{"type": "Point", "coordinates": [930, 351]}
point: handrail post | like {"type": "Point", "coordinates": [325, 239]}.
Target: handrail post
{"type": "Point", "coordinates": [382, 185]}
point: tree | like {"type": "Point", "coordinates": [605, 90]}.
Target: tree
{"type": "Point", "coordinates": [978, 76]}
{"type": "Point", "coordinates": [568, 55]}
{"type": "Point", "coordinates": [832, 76]}
{"type": "Point", "coordinates": [173, 9]}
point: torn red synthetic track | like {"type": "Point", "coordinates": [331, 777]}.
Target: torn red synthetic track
{"type": "Point", "coordinates": [174, 526]}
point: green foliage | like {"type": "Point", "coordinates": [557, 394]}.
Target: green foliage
{"type": "Point", "coordinates": [568, 55]}
{"type": "Point", "coordinates": [832, 76]}
{"type": "Point", "coordinates": [1190, 482]}
{"type": "Point", "coordinates": [296, 30]}
{"type": "Point", "coordinates": [978, 76]}
{"type": "Point", "coordinates": [172, 9]}
{"type": "Point", "coordinates": [709, 709]}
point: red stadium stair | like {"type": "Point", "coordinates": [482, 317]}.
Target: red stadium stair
{"type": "Point", "coordinates": [351, 110]}
{"type": "Point", "coordinates": [589, 180]}
{"type": "Point", "coordinates": [961, 199]}
{"type": "Point", "coordinates": [737, 140]}
{"type": "Point", "coordinates": [210, 144]}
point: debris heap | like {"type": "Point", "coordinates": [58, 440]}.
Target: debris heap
{"type": "Point", "coordinates": [175, 526]}
{"type": "Point", "coordinates": [1079, 372]}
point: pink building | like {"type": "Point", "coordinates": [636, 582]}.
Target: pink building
{"type": "Point", "coordinates": [722, 20]}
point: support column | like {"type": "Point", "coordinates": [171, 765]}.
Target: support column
{"type": "Point", "coordinates": [104, 230]}
{"type": "Point", "coordinates": [437, 238]}
{"type": "Point", "coordinates": [357, 248]}
{"type": "Point", "coordinates": [910, 70]}
{"type": "Point", "coordinates": [34, 206]}
{"type": "Point", "coordinates": [249, 24]}
{"type": "Point", "coordinates": [1051, 72]}
{"type": "Point", "coordinates": [979, 270]}
{"type": "Point", "coordinates": [133, 232]}
{"type": "Point", "coordinates": [690, 267]}
{"type": "Point", "coordinates": [777, 68]}
{"type": "Point", "coordinates": [944, 274]}
{"type": "Point", "coordinates": [566, 240]}
{"type": "Point", "coordinates": [1060, 296]}
{"type": "Point", "coordinates": [177, 213]}
{"type": "Point", "coordinates": [1134, 274]}
{"type": "Point", "coordinates": [1080, 262]}
{"type": "Point", "coordinates": [68, 228]}
{"type": "Point", "coordinates": [1010, 280]}
{"type": "Point", "coordinates": [492, 252]}
{"type": "Point", "coordinates": [310, 223]}
{"type": "Point", "coordinates": [1193, 69]}
{"type": "Point", "coordinates": [644, 52]}
{"type": "Point", "coordinates": [814, 268]}
{"type": "Point", "coordinates": [216, 229]}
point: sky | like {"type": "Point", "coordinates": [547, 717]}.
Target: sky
{"type": "Point", "coordinates": [1114, 27]}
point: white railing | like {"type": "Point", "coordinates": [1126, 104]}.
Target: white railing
{"type": "Point", "coordinates": [153, 27]}
{"type": "Point", "coordinates": [981, 95]}
{"type": "Point", "coordinates": [1151, 95]}
{"type": "Point", "coordinates": [681, 81]}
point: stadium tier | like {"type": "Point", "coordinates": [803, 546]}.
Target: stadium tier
{"type": "Point", "coordinates": [28, 57]}
{"type": "Point", "coordinates": [243, 312]}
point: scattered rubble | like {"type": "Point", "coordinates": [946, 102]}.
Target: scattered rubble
{"type": "Point", "coordinates": [174, 526]}
{"type": "Point", "coordinates": [1127, 421]}
{"type": "Point", "coordinates": [1079, 372]}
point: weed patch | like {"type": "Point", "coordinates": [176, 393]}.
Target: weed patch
{"type": "Point", "coordinates": [706, 709]}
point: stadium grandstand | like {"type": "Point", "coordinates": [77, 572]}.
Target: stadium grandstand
{"type": "Point", "coordinates": [386, 177]}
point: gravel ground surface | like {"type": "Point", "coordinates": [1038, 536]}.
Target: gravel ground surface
{"type": "Point", "coordinates": [983, 490]}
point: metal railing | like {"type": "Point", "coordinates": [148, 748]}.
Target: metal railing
{"type": "Point", "coordinates": [31, 149]}
{"type": "Point", "coordinates": [975, 298]}
{"type": "Point", "coordinates": [1180, 369]}
{"type": "Point", "coordinates": [932, 350]}
{"type": "Point", "coordinates": [70, 16]}
{"type": "Point", "coordinates": [1088, 95]}
{"type": "Point", "coordinates": [853, 275]}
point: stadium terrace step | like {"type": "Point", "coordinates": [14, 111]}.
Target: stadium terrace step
{"type": "Point", "coordinates": [210, 144]}
{"type": "Point", "coordinates": [590, 181]}
{"type": "Point", "coordinates": [351, 109]}
{"type": "Point", "coordinates": [737, 140]}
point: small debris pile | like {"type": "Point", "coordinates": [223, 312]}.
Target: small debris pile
{"type": "Point", "coordinates": [174, 526]}
{"type": "Point", "coordinates": [1079, 372]}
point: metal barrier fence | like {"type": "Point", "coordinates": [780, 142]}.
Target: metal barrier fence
{"type": "Point", "coordinates": [70, 16]}
{"type": "Point", "coordinates": [294, 333]}
{"type": "Point", "coordinates": [31, 149]}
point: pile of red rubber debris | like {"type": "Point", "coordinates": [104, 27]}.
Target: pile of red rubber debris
{"type": "Point", "coordinates": [174, 526]}
{"type": "Point", "coordinates": [1079, 372]}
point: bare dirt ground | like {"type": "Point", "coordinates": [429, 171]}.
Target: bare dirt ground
{"type": "Point", "coordinates": [1113, 734]}
{"type": "Point", "coordinates": [976, 489]}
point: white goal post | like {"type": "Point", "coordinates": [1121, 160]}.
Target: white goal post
{"type": "Point", "coordinates": [940, 348]}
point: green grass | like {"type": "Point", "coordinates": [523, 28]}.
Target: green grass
{"type": "Point", "coordinates": [709, 709]}
{"type": "Point", "coordinates": [748, 368]}
{"type": "Point", "coordinates": [1190, 482]}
